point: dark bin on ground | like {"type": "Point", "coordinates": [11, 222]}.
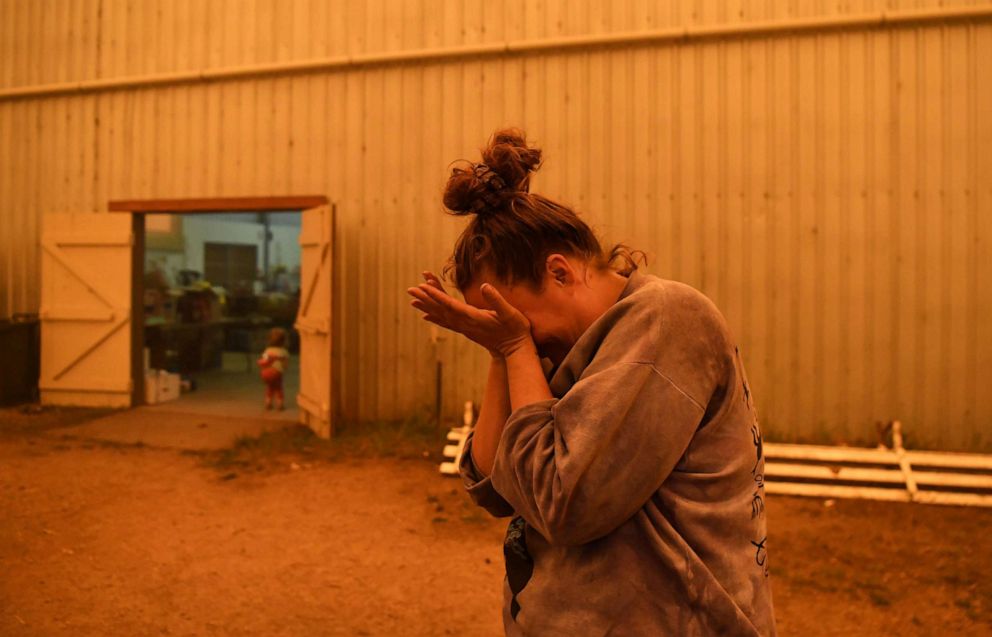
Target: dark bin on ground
{"type": "Point", "coordinates": [20, 346]}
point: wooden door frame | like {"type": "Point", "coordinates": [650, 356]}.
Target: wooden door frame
{"type": "Point", "coordinates": [138, 208]}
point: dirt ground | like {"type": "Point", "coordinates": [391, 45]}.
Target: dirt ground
{"type": "Point", "coordinates": [286, 535]}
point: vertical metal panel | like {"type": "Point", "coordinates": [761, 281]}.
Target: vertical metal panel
{"type": "Point", "coordinates": [980, 187]}
{"type": "Point", "coordinates": [830, 191]}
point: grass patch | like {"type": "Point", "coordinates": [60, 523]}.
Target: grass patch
{"type": "Point", "coordinates": [298, 444]}
{"type": "Point", "coordinates": [474, 517]}
{"type": "Point", "coordinates": [879, 597]}
{"type": "Point", "coordinates": [963, 602]}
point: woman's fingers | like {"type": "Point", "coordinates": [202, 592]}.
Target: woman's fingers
{"type": "Point", "coordinates": [444, 299]}
{"type": "Point", "coordinates": [420, 293]}
{"type": "Point", "coordinates": [428, 315]}
{"type": "Point", "coordinates": [496, 301]}
{"type": "Point", "coordinates": [442, 309]}
{"type": "Point", "coordinates": [430, 294]}
{"type": "Point", "coordinates": [432, 279]}
{"type": "Point", "coordinates": [419, 305]}
{"type": "Point", "coordinates": [425, 303]}
{"type": "Point", "coordinates": [439, 302]}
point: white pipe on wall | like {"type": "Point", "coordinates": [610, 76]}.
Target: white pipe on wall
{"type": "Point", "coordinates": [569, 43]}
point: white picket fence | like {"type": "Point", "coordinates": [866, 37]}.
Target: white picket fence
{"type": "Point", "coordinates": [894, 474]}
{"type": "Point", "coordinates": [457, 436]}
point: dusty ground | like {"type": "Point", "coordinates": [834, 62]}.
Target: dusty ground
{"type": "Point", "coordinates": [286, 536]}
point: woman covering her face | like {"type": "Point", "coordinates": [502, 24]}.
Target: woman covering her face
{"type": "Point", "coordinates": [633, 469]}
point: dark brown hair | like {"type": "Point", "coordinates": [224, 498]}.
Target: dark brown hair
{"type": "Point", "coordinates": [513, 230]}
{"type": "Point", "coordinates": [277, 337]}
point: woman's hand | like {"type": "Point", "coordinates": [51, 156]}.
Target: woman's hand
{"type": "Point", "coordinates": [502, 329]}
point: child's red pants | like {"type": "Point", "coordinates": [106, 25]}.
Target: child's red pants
{"type": "Point", "coordinates": [273, 384]}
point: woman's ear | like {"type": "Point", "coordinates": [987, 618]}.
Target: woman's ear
{"type": "Point", "coordinates": [559, 270]}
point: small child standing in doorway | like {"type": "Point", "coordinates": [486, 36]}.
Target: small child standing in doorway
{"type": "Point", "coordinates": [273, 363]}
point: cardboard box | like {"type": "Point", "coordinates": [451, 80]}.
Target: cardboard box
{"type": "Point", "coordinates": [151, 386]}
{"type": "Point", "coordinates": [160, 386]}
{"type": "Point", "coordinates": [168, 387]}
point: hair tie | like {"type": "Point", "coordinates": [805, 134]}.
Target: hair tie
{"type": "Point", "coordinates": [491, 196]}
{"type": "Point", "coordinates": [488, 176]}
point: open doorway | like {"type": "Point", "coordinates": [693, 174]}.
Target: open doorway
{"type": "Point", "coordinates": [219, 290]}
{"type": "Point", "coordinates": [93, 298]}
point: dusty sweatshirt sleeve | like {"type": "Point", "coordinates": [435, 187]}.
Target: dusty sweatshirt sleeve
{"type": "Point", "coordinates": [577, 467]}
{"type": "Point", "coordinates": [479, 487]}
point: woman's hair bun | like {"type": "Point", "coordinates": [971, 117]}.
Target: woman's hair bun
{"type": "Point", "coordinates": [509, 155]}
{"type": "Point", "coordinates": [507, 163]}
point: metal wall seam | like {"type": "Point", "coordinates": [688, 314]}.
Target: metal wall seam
{"type": "Point", "coordinates": [683, 34]}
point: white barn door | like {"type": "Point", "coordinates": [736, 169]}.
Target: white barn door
{"type": "Point", "coordinates": [314, 319]}
{"type": "Point", "coordinates": [86, 310]}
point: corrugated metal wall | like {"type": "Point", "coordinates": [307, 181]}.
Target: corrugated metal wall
{"type": "Point", "coordinates": [830, 190]}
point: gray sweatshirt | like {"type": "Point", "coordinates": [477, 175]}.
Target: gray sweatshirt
{"type": "Point", "coordinates": [637, 491]}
